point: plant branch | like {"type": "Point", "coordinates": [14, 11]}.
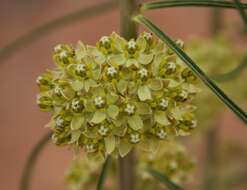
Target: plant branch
{"type": "Point", "coordinates": [194, 67]}
{"type": "Point", "coordinates": [103, 174]}
{"type": "Point", "coordinates": [128, 30]}
{"type": "Point", "coordinates": [31, 161]}
{"type": "Point", "coordinates": [53, 25]}
{"type": "Point", "coordinates": [231, 74]}
{"type": "Point", "coordinates": [241, 8]}
{"type": "Point", "coordinates": [189, 3]}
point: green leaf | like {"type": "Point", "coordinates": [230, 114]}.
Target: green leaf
{"type": "Point", "coordinates": [207, 81]}
{"type": "Point", "coordinates": [231, 74]}
{"type": "Point", "coordinates": [135, 122]}
{"type": "Point", "coordinates": [77, 122]}
{"type": "Point", "coordinates": [124, 147]}
{"type": "Point", "coordinates": [163, 179]}
{"type": "Point", "coordinates": [161, 118]}
{"type": "Point", "coordinates": [76, 85]}
{"type": "Point", "coordinates": [32, 160]}
{"type": "Point", "coordinates": [185, 3]}
{"type": "Point", "coordinates": [113, 111]}
{"type": "Point", "coordinates": [110, 144]}
{"type": "Point", "coordinates": [102, 177]}
{"type": "Point", "coordinates": [98, 117]}
{"type": "Point", "coordinates": [144, 93]}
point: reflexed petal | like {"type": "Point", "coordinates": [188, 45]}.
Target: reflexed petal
{"type": "Point", "coordinates": [143, 108]}
{"type": "Point", "coordinates": [145, 58]}
{"type": "Point", "coordinates": [155, 84]}
{"type": "Point", "coordinates": [77, 122]}
{"type": "Point", "coordinates": [113, 111]}
{"type": "Point", "coordinates": [98, 117]}
{"type": "Point", "coordinates": [110, 144]}
{"type": "Point", "coordinates": [161, 118]}
{"type": "Point", "coordinates": [135, 122]}
{"type": "Point", "coordinates": [76, 85]}
{"type": "Point", "coordinates": [117, 59]}
{"type": "Point", "coordinates": [124, 147]}
{"type": "Point", "coordinates": [144, 93]}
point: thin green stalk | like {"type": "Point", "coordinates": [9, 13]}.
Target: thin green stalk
{"type": "Point", "coordinates": [191, 3]}
{"type": "Point", "coordinates": [163, 179]}
{"type": "Point", "coordinates": [55, 24]}
{"type": "Point", "coordinates": [236, 71]}
{"type": "Point", "coordinates": [31, 161]}
{"type": "Point", "coordinates": [194, 67]}
{"type": "Point", "coordinates": [211, 177]}
{"type": "Point", "coordinates": [128, 30]}
{"type": "Point", "coordinates": [240, 6]}
{"type": "Point", "coordinates": [103, 174]}
{"type": "Point", "coordinates": [231, 74]}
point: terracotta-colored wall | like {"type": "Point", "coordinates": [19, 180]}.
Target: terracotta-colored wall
{"type": "Point", "coordinates": [21, 121]}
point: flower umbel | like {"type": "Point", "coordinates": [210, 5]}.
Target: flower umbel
{"type": "Point", "coordinates": [110, 98]}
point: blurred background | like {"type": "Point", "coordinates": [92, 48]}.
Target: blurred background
{"type": "Point", "coordinates": [22, 124]}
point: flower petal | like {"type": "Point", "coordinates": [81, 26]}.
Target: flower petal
{"type": "Point", "coordinates": [98, 117]}
{"type": "Point", "coordinates": [135, 122]}
{"type": "Point", "coordinates": [144, 93]}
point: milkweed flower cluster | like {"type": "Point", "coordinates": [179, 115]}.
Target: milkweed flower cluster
{"type": "Point", "coordinates": [171, 160]}
{"type": "Point", "coordinates": [112, 97]}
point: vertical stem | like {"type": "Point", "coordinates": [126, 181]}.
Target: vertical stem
{"type": "Point", "coordinates": [211, 163]}
{"type": "Point", "coordinates": [216, 21]}
{"type": "Point", "coordinates": [128, 30]}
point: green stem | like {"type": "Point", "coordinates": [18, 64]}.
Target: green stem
{"type": "Point", "coordinates": [55, 24]}
{"type": "Point", "coordinates": [212, 135]}
{"type": "Point", "coordinates": [27, 172]}
{"type": "Point", "coordinates": [128, 30]}
{"type": "Point", "coordinates": [190, 3]}
{"type": "Point", "coordinates": [103, 174]}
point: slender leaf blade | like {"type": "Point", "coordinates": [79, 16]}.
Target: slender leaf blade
{"type": "Point", "coordinates": [191, 64]}
{"type": "Point", "coordinates": [231, 74]}
{"type": "Point", "coordinates": [103, 174]}
{"type": "Point", "coordinates": [191, 3]}
{"type": "Point", "coordinates": [32, 160]}
{"type": "Point", "coordinates": [240, 7]}
{"type": "Point", "coordinates": [163, 179]}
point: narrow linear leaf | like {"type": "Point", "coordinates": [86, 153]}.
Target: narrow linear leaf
{"type": "Point", "coordinates": [231, 74]}
{"type": "Point", "coordinates": [163, 179]}
{"type": "Point", "coordinates": [32, 160]}
{"type": "Point", "coordinates": [191, 3]}
{"type": "Point", "coordinates": [191, 64]}
{"type": "Point", "coordinates": [55, 24]}
{"type": "Point", "coordinates": [103, 173]}
{"type": "Point", "coordinates": [241, 8]}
